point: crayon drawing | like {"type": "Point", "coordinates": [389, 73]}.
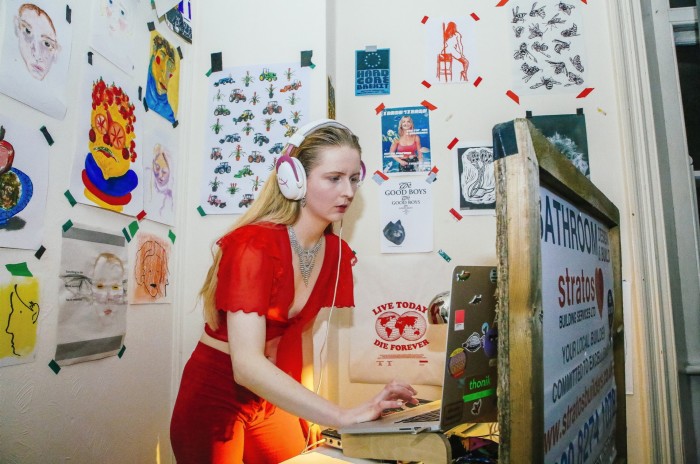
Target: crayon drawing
{"type": "Point", "coordinates": [163, 80]}
{"type": "Point", "coordinates": [92, 299]}
{"type": "Point", "coordinates": [151, 270]}
{"type": "Point", "coordinates": [19, 319]}
{"type": "Point", "coordinates": [109, 174]}
{"type": "Point", "coordinates": [35, 54]}
{"type": "Point", "coordinates": [113, 32]}
{"type": "Point", "coordinates": [23, 184]}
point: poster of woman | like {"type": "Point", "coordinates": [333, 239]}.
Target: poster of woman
{"type": "Point", "coordinates": [405, 140]}
{"type": "Point", "coordinates": [35, 54]}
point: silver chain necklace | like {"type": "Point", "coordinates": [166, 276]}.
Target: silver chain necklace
{"type": "Point", "coordinates": [307, 258]}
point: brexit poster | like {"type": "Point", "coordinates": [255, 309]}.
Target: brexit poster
{"type": "Point", "coordinates": [372, 73]}
{"type": "Point", "coordinates": [578, 306]}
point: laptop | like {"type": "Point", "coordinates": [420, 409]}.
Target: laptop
{"type": "Point", "coordinates": [470, 376]}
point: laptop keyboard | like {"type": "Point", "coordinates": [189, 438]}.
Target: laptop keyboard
{"type": "Point", "coordinates": [425, 417]}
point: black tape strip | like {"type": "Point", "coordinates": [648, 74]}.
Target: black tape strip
{"type": "Point", "coordinates": [68, 14]}
{"type": "Point", "coordinates": [179, 52]}
{"type": "Point", "coordinates": [40, 252]}
{"type": "Point", "coordinates": [504, 142]}
{"type": "Point", "coordinates": [140, 92]}
{"type": "Point", "coordinates": [145, 105]}
{"type": "Point", "coordinates": [216, 62]}
{"type": "Point", "coordinates": [528, 114]}
{"type": "Point", "coordinates": [90, 57]}
{"type": "Point", "coordinates": [175, 124]}
{"type": "Point", "coordinates": [579, 111]}
{"type": "Point", "coordinates": [151, 26]}
{"type": "Point", "coordinates": [47, 136]}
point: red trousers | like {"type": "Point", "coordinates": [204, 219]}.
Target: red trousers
{"type": "Point", "coordinates": [218, 421]}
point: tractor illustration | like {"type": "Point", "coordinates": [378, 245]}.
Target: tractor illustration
{"type": "Point", "coordinates": [246, 200]}
{"type": "Point", "coordinates": [246, 115]}
{"type": "Point", "coordinates": [260, 139]}
{"type": "Point", "coordinates": [276, 148]}
{"type": "Point", "coordinates": [236, 96]}
{"type": "Point", "coordinates": [215, 201]}
{"type": "Point", "coordinates": [245, 171]}
{"type": "Point", "coordinates": [272, 108]}
{"type": "Point", "coordinates": [268, 75]}
{"type": "Point", "coordinates": [224, 80]}
{"type": "Point", "coordinates": [216, 153]}
{"type": "Point", "coordinates": [231, 138]}
{"type": "Point", "coordinates": [296, 85]}
{"type": "Point", "coordinates": [256, 157]}
{"type": "Point", "coordinates": [221, 110]}
{"type": "Point", "coordinates": [222, 168]}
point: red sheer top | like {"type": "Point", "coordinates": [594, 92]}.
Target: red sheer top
{"type": "Point", "coordinates": [256, 275]}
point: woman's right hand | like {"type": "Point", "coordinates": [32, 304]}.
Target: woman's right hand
{"type": "Point", "coordinates": [394, 395]}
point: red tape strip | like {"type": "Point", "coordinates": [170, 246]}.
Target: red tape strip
{"type": "Point", "coordinates": [452, 143]}
{"type": "Point", "coordinates": [379, 108]}
{"type": "Point", "coordinates": [513, 96]}
{"type": "Point", "coordinates": [475, 16]}
{"type": "Point", "coordinates": [424, 20]}
{"type": "Point", "coordinates": [426, 84]}
{"type": "Point", "coordinates": [428, 105]}
{"type": "Point", "coordinates": [141, 215]}
{"type": "Point", "coordinates": [584, 93]}
{"type": "Point", "coordinates": [456, 214]}
{"type": "Point", "coordinates": [501, 3]}
{"type": "Point", "coordinates": [381, 174]}
{"type": "Point", "coordinates": [477, 81]}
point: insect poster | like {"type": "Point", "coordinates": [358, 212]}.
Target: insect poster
{"type": "Point", "coordinates": [36, 47]}
{"type": "Point", "coordinates": [547, 41]}
{"type": "Point", "coordinates": [406, 140]}
{"type": "Point", "coordinates": [150, 279]}
{"type": "Point", "coordinates": [476, 182]}
{"type": "Point", "coordinates": [162, 92]}
{"type": "Point", "coordinates": [112, 36]}
{"type": "Point", "coordinates": [160, 155]}
{"type": "Point", "coordinates": [107, 167]}
{"type": "Point", "coordinates": [451, 53]}
{"type": "Point", "coordinates": [92, 295]}
{"type": "Point", "coordinates": [252, 112]}
{"type": "Point", "coordinates": [19, 317]}
{"type": "Point", "coordinates": [24, 176]}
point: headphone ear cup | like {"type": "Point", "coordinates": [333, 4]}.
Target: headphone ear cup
{"type": "Point", "coordinates": [363, 171]}
{"type": "Point", "coordinates": [291, 177]}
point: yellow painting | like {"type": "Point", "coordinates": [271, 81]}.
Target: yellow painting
{"type": "Point", "coordinates": [163, 80]}
{"type": "Point", "coordinates": [19, 316]}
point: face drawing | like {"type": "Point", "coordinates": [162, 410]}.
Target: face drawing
{"type": "Point", "coordinates": [152, 268]}
{"type": "Point", "coordinates": [108, 284]}
{"type": "Point", "coordinates": [111, 136]}
{"type": "Point", "coordinates": [24, 314]}
{"type": "Point", "coordinates": [161, 167]}
{"type": "Point", "coordinates": [162, 64]}
{"type": "Point", "coordinates": [38, 44]}
{"type": "Point", "coordinates": [118, 16]}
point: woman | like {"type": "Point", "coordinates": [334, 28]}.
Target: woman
{"type": "Point", "coordinates": [406, 150]}
{"type": "Point", "coordinates": [452, 45]}
{"type": "Point", "coordinates": [240, 394]}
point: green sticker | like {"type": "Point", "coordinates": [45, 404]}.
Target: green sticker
{"type": "Point", "coordinates": [19, 270]}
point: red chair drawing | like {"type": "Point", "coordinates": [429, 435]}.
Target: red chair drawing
{"type": "Point", "coordinates": [444, 66]}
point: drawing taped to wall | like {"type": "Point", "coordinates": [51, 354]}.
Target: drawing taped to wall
{"type": "Point", "coordinates": [112, 33]}
{"type": "Point", "coordinates": [406, 140]}
{"type": "Point", "coordinates": [548, 47]}
{"type": "Point", "coordinates": [109, 175]}
{"type": "Point", "coordinates": [151, 271]}
{"type": "Point", "coordinates": [24, 164]}
{"type": "Point", "coordinates": [476, 183]}
{"type": "Point", "coordinates": [35, 54]}
{"type": "Point", "coordinates": [451, 51]}
{"type": "Point", "coordinates": [92, 296]}
{"type": "Point", "coordinates": [163, 80]}
{"type": "Point", "coordinates": [159, 161]}
{"type": "Point", "coordinates": [19, 319]}
{"type": "Point", "coordinates": [253, 111]}
{"type": "Point", "coordinates": [179, 20]}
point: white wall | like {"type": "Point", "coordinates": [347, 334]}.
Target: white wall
{"type": "Point", "coordinates": [114, 409]}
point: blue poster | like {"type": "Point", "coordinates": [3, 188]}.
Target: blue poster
{"type": "Point", "coordinates": [406, 140]}
{"type": "Point", "coordinates": [372, 73]}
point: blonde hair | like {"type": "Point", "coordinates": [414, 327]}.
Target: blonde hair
{"type": "Point", "coordinates": [272, 206]}
{"type": "Point", "coordinates": [406, 118]}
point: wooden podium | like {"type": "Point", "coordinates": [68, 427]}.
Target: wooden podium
{"type": "Point", "coordinates": [426, 447]}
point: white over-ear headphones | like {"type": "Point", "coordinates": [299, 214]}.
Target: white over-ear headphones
{"type": "Point", "coordinates": [291, 176]}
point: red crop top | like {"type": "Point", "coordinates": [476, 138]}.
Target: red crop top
{"type": "Point", "coordinates": [256, 275]}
